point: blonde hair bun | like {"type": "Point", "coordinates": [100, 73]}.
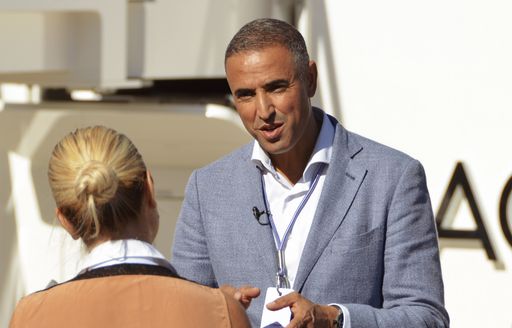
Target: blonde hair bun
{"type": "Point", "coordinates": [97, 180]}
{"type": "Point", "coordinates": [97, 177]}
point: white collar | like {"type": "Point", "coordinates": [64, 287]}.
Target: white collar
{"type": "Point", "coordinates": [123, 251]}
{"type": "Point", "coordinates": [322, 153]}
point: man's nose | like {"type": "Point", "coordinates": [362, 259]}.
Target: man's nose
{"type": "Point", "coordinates": [264, 106]}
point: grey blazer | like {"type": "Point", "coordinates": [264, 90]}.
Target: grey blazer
{"type": "Point", "coordinates": [372, 246]}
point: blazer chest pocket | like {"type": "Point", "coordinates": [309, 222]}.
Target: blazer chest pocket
{"type": "Point", "coordinates": [352, 243]}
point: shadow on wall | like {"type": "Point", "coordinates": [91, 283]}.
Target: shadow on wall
{"type": "Point", "coordinates": [468, 244]}
{"type": "Point", "coordinates": [10, 284]}
{"type": "Point", "coordinates": [26, 228]}
{"type": "Point", "coordinates": [21, 215]}
{"type": "Point", "coordinates": [319, 41]}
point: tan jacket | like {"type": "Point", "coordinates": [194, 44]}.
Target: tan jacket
{"type": "Point", "coordinates": [129, 301]}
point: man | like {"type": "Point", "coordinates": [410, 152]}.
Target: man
{"type": "Point", "coordinates": [351, 217]}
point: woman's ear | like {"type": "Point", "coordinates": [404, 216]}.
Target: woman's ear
{"type": "Point", "coordinates": [151, 189]}
{"type": "Point", "coordinates": [66, 224]}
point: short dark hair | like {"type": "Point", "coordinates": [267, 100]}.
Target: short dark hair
{"type": "Point", "coordinates": [267, 32]}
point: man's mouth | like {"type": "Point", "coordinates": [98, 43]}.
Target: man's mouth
{"type": "Point", "coordinates": [271, 132]}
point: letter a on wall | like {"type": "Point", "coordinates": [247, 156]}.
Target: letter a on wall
{"type": "Point", "coordinates": [460, 179]}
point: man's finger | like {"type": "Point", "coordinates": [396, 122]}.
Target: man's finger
{"type": "Point", "coordinates": [237, 296]}
{"type": "Point", "coordinates": [294, 323]}
{"type": "Point", "coordinates": [283, 301]}
{"type": "Point", "coordinates": [228, 289]}
{"type": "Point", "coordinates": [249, 291]}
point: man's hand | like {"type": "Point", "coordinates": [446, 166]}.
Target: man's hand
{"type": "Point", "coordinates": [305, 313]}
{"type": "Point", "coordinates": [244, 294]}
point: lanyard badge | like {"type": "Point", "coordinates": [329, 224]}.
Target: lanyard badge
{"type": "Point", "coordinates": [282, 276]}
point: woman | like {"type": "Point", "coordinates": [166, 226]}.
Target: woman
{"type": "Point", "coordinates": [105, 197]}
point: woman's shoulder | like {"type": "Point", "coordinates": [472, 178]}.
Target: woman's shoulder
{"type": "Point", "coordinates": [166, 300]}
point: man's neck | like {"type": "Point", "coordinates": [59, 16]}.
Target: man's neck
{"type": "Point", "coordinates": [293, 163]}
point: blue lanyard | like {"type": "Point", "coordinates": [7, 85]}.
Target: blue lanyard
{"type": "Point", "coordinates": [282, 279]}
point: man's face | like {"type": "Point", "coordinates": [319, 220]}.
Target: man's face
{"type": "Point", "coordinates": [271, 99]}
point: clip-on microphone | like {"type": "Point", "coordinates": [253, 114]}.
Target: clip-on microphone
{"type": "Point", "coordinates": [257, 213]}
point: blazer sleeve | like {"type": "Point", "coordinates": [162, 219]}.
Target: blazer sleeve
{"type": "Point", "coordinates": [412, 287]}
{"type": "Point", "coordinates": [190, 252]}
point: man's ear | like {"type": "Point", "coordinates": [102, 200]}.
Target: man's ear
{"type": "Point", "coordinates": [66, 224]}
{"type": "Point", "coordinates": [312, 75]}
{"type": "Point", "coordinates": [151, 189]}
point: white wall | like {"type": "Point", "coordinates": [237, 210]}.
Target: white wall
{"type": "Point", "coordinates": [433, 79]}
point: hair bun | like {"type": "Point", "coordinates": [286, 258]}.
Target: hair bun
{"type": "Point", "coordinates": [97, 180]}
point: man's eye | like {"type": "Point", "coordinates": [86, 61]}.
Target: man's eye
{"type": "Point", "coordinates": [279, 89]}
{"type": "Point", "coordinates": [244, 96]}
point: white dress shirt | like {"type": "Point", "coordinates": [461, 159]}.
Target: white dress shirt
{"type": "Point", "coordinates": [123, 251]}
{"type": "Point", "coordinates": [284, 198]}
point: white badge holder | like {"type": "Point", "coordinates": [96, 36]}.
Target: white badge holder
{"type": "Point", "coordinates": [279, 318]}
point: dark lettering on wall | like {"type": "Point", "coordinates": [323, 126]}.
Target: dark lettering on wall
{"type": "Point", "coordinates": [460, 179]}
{"type": "Point", "coordinates": [503, 210]}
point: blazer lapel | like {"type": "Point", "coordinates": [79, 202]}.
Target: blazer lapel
{"type": "Point", "coordinates": [343, 179]}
